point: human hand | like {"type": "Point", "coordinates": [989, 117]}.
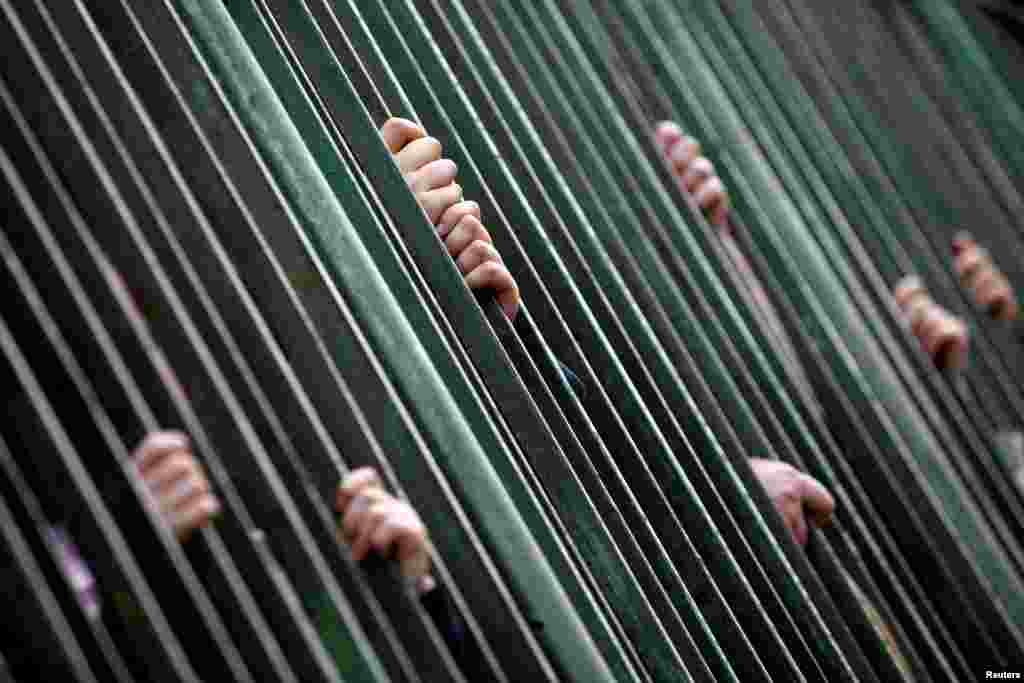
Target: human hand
{"type": "Point", "coordinates": [469, 243]}
{"type": "Point", "coordinates": [373, 519]}
{"type": "Point", "coordinates": [978, 274]}
{"type": "Point", "coordinates": [796, 495]}
{"type": "Point", "coordinates": [430, 178]}
{"type": "Point", "coordinates": [942, 336]}
{"type": "Point", "coordinates": [694, 173]}
{"type": "Point", "coordinates": [177, 481]}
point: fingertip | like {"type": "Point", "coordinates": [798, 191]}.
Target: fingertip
{"type": "Point", "coordinates": [398, 132]}
{"type": "Point", "coordinates": [667, 133]}
{"type": "Point", "coordinates": [164, 440]}
{"type": "Point", "coordinates": [510, 302]}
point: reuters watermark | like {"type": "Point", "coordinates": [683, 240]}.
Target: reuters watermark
{"type": "Point", "coordinates": [1002, 676]}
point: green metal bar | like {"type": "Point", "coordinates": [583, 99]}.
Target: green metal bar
{"type": "Point", "coordinates": [768, 199]}
{"type": "Point", "coordinates": [288, 260]}
{"type": "Point", "coordinates": [512, 404]}
{"type": "Point", "coordinates": [298, 479]}
{"type": "Point", "coordinates": [317, 207]}
{"type": "Point", "coordinates": [953, 408]}
{"type": "Point", "coordinates": [591, 128]}
{"type": "Point", "coordinates": [96, 531]}
{"type": "Point", "coordinates": [44, 641]}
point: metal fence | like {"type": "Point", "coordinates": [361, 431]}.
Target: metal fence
{"type": "Point", "coordinates": [204, 231]}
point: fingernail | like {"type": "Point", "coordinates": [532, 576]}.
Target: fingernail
{"type": "Point", "coordinates": [166, 440]}
{"type": "Point", "coordinates": [425, 584]}
{"type": "Point", "coordinates": [359, 504]}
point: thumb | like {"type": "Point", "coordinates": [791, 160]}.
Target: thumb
{"type": "Point", "coordinates": [817, 500]}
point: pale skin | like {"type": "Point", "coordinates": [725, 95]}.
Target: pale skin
{"type": "Point", "coordinates": [431, 179]}
{"type": "Point", "coordinates": [374, 521]}
{"type": "Point", "coordinates": [177, 482]}
{"type": "Point", "coordinates": [800, 498]}
{"type": "Point", "coordinates": [694, 173]}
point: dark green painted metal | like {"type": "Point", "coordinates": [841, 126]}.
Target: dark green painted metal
{"type": "Point", "coordinates": [414, 216]}
{"type": "Point", "coordinates": [45, 643]}
{"type": "Point", "coordinates": [984, 82]}
{"type": "Point", "coordinates": [517, 269]}
{"type": "Point", "coordinates": [922, 442]}
{"type": "Point", "coordinates": [134, 416]}
{"type": "Point", "coordinates": [846, 432]}
{"type": "Point", "coordinates": [321, 320]}
{"type": "Point", "coordinates": [26, 513]}
{"type": "Point", "coordinates": [929, 176]}
{"type": "Point", "coordinates": [997, 488]}
{"type": "Point", "coordinates": [982, 495]}
{"type": "Point", "coordinates": [994, 487]}
{"type": "Point", "coordinates": [642, 122]}
{"type": "Point", "coordinates": [317, 207]}
{"type": "Point", "coordinates": [841, 182]}
{"type": "Point", "coordinates": [936, 626]}
{"type": "Point", "coordinates": [597, 99]}
{"type": "Point", "coordinates": [983, 357]}
{"type": "Point", "coordinates": [318, 325]}
{"type": "Point", "coordinates": [886, 147]}
{"type": "Point", "coordinates": [31, 321]}
{"type": "Point", "coordinates": [708, 129]}
{"type": "Point", "coordinates": [38, 434]}
{"type": "Point", "coordinates": [298, 478]}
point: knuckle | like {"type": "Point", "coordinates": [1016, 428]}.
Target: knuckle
{"type": "Point", "coordinates": [494, 270]}
{"type": "Point", "coordinates": [479, 232]}
{"type": "Point", "coordinates": [481, 249]}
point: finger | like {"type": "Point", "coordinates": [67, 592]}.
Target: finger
{"type": "Point", "coordinates": [476, 253]}
{"type": "Point", "coordinates": [495, 276]}
{"type": "Point", "coordinates": [969, 262]}
{"type": "Point", "coordinates": [403, 536]}
{"type": "Point", "coordinates": [185, 521]}
{"type": "Point", "coordinates": [718, 212]}
{"type": "Point", "coordinates": [817, 500]}
{"type": "Point", "coordinates": [467, 231]}
{"type": "Point", "coordinates": [919, 312]}
{"type": "Point", "coordinates": [798, 527]}
{"type": "Point", "coordinates": [930, 330]}
{"type": "Point", "coordinates": [667, 133]}
{"type": "Point", "coordinates": [413, 553]}
{"type": "Point", "coordinates": [455, 213]}
{"type": "Point", "coordinates": [182, 493]}
{"type": "Point", "coordinates": [792, 513]}
{"type": "Point", "coordinates": [683, 153]}
{"type": "Point", "coordinates": [375, 516]}
{"type": "Point", "coordinates": [418, 154]}
{"type": "Point", "coordinates": [436, 202]}
{"type": "Point", "coordinates": [156, 446]}
{"type": "Point", "coordinates": [907, 290]}
{"type": "Point", "coordinates": [697, 174]}
{"type": "Point", "coordinates": [355, 516]}
{"type": "Point", "coordinates": [952, 350]}
{"type": "Point", "coordinates": [962, 241]}
{"type": "Point", "coordinates": [432, 176]}
{"type": "Point", "coordinates": [398, 133]}
{"type": "Point", "coordinates": [174, 467]}
{"type": "Point", "coordinates": [709, 194]}
{"type": "Point", "coordinates": [355, 482]}
{"type": "Point", "coordinates": [986, 283]}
